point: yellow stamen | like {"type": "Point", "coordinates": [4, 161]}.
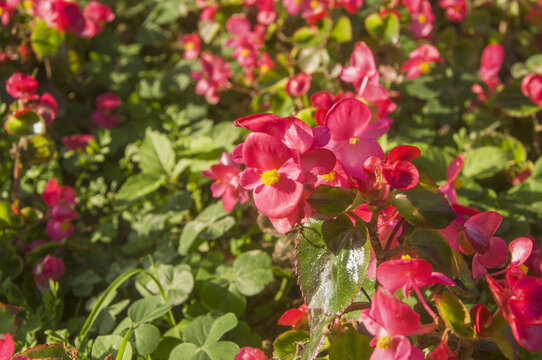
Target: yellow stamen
{"type": "Point", "coordinates": [457, 183]}
{"type": "Point", "coordinates": [354, 141]}
{"type": "Point", "coordinates": [264, 68]}
{"type": "Point", "coordinates": [314, 4]}
{"type": "Point", "coordinates": [329, 176]}
{"type": "Point", "coordinates": [189, 46]}
{"type": "Point", "coordinates": [64, 226]}
{"type": "Point", "coordinates": [27, 4]}
{"type": "Point", "coordinates": [270, 177]}
{"type": "Point", "coordinates": [422, 19]}
{"type": "Point", "coordinates": [384, 342]}
{"type": "Point", "coordinates": [524, 268]}
{"type": "Point", "coordinates": [425, 68]}
{"type": "Point", "coordinates": [244, 53]}
{"type": "Point", "coordinates": [406, 257]}
{"type": "Point", "coordinates": [1, 11]}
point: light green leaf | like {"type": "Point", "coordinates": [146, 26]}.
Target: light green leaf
{"type": "Point", "coordinates": [146, 339]}
{"type": "Point", "coordinates": [45, 40]}
{"type": "Point", "coordinates": [138, 185]}
{"type": "Point", "coordinates": [147, 309]}
{"type": "Point", "coordinates": [342, 31]}
{"type": "Point", "coordinates": [350, 346]}
{"type": "Point", "coordinates": [252, 272]}
{"type": "Point", "coordinates": [156, 154]}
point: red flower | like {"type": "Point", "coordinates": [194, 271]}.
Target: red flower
{"type": "Point", "coordinates": [481, 318]}
{"type": "Point", "coordinates": [213, 78]}
{"type": "Point", "coordinates": [419, 61]}
{"type": "Point", "coordinates": [495, 256]}
{"type": "Point", "coordinates": [226, 174]}
{"type": "Point", "coordinates": [250, 353]}
{"type": "Point", "coordinates": [421, 25]}
{"type": "Point", "coordinates": [77, 141]}
{"type": "Point", "coordinates": [362, 67]}
{"type": "Point", "coordinates": [398, 170]}
{"type": "Point", "coordinates": [323, 101]}
{"type": "Point", "coordinates": [8, 7]}
{"type": "Point", "coordinates": [54, 195]}
{"type": "Point", "coordinates": [19, 85]}
{"type": "Point", "coordinates": [531, 86]}
{"type": "Point", "coordinates": [106, 103]}
{"type": "Point", "coordinates": [442, 352]}
{"type": "Point", "coordinates": [47, 268]}
{"type": "Point", "coordinates": [7, 346]}
{"type": "Point", "coordinates": [456, 10]}
{"type": "Point", "coordinates": [47, 108]}
{"type": "Point", "coordinates": [391, 321]}
{"type": "Point", "coordinates": [492, 59]}
{"type": "Point", "coordinates": [298, 84]}
{"type": "Point", "coordinates": [191, 44]}
{"type": "Point", "coordinates": [478, 230]}
{"type": "Point", "coordinates": [69, 17]}
{"type": "Point", "coordinates": [96, 15]}
{"type": "Point", "coordinates": [58, 230]}
{"type": "Point", "coordinates": [454, 169]}
{"type": "Point", "coordinates": [295, 318]}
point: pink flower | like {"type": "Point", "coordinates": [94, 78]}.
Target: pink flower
{"type": "Point", "coordinates": [456, 10]}
{"type": "Point", "coordinates": [273, 175]}
{"type": "Point", "coordinates": [19, 85]}
{"type": "Point", "coordinates": [77, 142]}
{"type": "Point", "coordinates": [492, 59]}
{"type": "Point", "coordinates": [192, 45]}
{"type": "Point", "coordinates": [298, 84]}
{"type": "Point", "coordinates": [54, 195]}
{"type": "Point", "coordinates": [47, 108]}
{"type": "Point", "coordinates": [246, 43]}
{"type": "Point", "coordinates": [213, 78]}
{"type": "Point", "coordinates": [442, 352]}
{"type": "Point", "coordinates": [69, 17]}
{"type": "Point", "coordinates": [419, 60]}
{"type": "Point", "coordinates": [323, 101]}
{"type": "Point", "coordinates": [412, 6]}
{"type": "Point", "coordinates": [352, 6]}
{"type": "Point", "coordinates": [478, 230]}
{"type": "Point", "coordinates": [421, 24]}
{"type": "Point", "coordinates": [107, 102]}
{"type": "Point", "coordinates": [226, 174]}
{"type": "Point", "coordinates": [8, 8]}
{"type": "Point", "coordinates": [531, 86]}
{"type": "Point", "coordinates": [362, 67]}
{"type": "Point", "coordinates": [7, 346]}
{"type": "Point", "coordinates": [353, 136]}
{"type": "Point", "coordinates": [296, 318]}
{"type": "Point", "coordinates": [104, 120]}
{"type": "Point", "coordinates": [47, 268]}
{"type": "Point", "coordinates": [495, 256]}
{"type": "Point", "coordinates": [58, 230]}
{"type": "Point", "coordinates": [391, 321]}
{"type": "Point", "coordinates": [208, 13]}
{"type": "Point", "coordinates": [266, 11]}
{"type": "Point", "coordinates": [96, 15]}
{"type": "Point", "coordinates": [398, 170]}
{"type": "Point", "coordinates": [250, 353]}
{"type": "Point", "coordinates": [409, 274]}
{"type": "Point", "coordinates": [309, 9]}
{"type": "Point", "coordinates": [454, 169]}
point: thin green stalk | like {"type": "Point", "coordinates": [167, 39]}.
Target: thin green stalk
{"type": "Point", "coordinates": [122, 347]}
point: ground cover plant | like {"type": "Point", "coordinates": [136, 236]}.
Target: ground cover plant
{"type": "Point", "coordinates": [257, 179]}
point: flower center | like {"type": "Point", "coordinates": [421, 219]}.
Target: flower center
{"type": "Point", "coordinates": [27, 4]}
{"type": "Point", "coordinates": [64, 226]}
{"type": "Point", "coordinates": [422, 19]}
{"type": "Point", "coordinates": [354, 141]}
{"type": "Point", "coordinates": [329, 176]}
{"type": "Point", "coordinates": [270, 177]}
{"type": "Point", "coordinates": [314, 4]}
{"type": "Point", "coordinates": [458, 183]}
{"type": "Point", "coordinates": [406, 257]}
{"type": "Point", "coordinates": [384, 342]}
{"type": "Point", "coordinates": [244, 53]}
{"type": "Point", "coordinates": [189, 46]}
{"type": "Point", "coordinates": [424, 68]}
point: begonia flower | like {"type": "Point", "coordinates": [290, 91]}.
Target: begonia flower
{"type": "Point", "coordinates": [104, 120]}
{"type": "Point", "coordinates": [398, 170]}
{"type": "Point", "coordinates": [47, 268]}
{"type": "Point", "coordinates": [246, 43]}
{"type": "Point", "coordinates": [77, 142]}
{"type": "Point", "coordinates": [69, 17]}
{"type": "Point", "coordinates": [191, 44]}
{"type": "Point", "coordinates": [266, 11]}
{"type": "Point", "coordinates": [107, 102]}
{"type": "Point", "coordinates": [19, 85]}
{"type": "Point", "coordinates": [442, 352]}
{"type": "Point", "coordinates": [353, 135]}
{"type": "Point", "coordinates": [481, 319]}
{"type": "Point", "coordinates": [391, 321]}
{"type": "Point", "coordinates": [298, 84]}
{"type": "Point", "coordinates": [352, 6]}
{"type": "Point", "coordinates": [456, 10]}
{"type": "Point", "coordinates": [492, 59]}
{"type": "Point", "coordinates": [421, 24]}
{"type": "Point", "coordinates": [495, 256]}
{"type": "Point", "coordinates": [531, 86]}
{"type": "Point", "coordinates": [54, 195]}
{"type": "Point", "coordinates": [47, 108]}
{"type": "Point", "coordinates": [208, 13]}
{"type": "Point", "coordinates": [96, 15]}
{"type": "Point", "coordinates": [250, 353]}
{"type": "Point", "coordinates": [58, 230]}
{"type": "Point", "coordinates": [454, 169]}
{"type": "Point", "coordinates": [419, 61]}
{"type": "Point", "coordinates": [362, 68]}
{"type": "Point", "coordinates": [296, 318]}
{"type": "Point", "coordinates": [213, 78]}
{"type": "Point", "coordinates": [323, 101]}
{"type": "Point", "coordinates": [226, 173]}
{"type": "Point", "coordinates": [8, 8]}
{"type": "Point", "coordinates": [7, 346]}
{"type": "Point", "coordinates": [479, 229]}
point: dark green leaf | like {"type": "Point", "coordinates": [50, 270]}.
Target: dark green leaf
{"type": "Point", "coordinates": [514, 103]}
{"type": "Point", "coordinates": [286, 344]}
{"type": "Point", "coordinates": [433, 247]}
{"type": "Point", "coordinates": [330, 200]}
{"type": "Point", "coordinates": [350, 346]}
{"type": "Point", "coordinates": [455, 314]}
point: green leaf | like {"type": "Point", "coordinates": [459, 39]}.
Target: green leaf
{"type": "Point", "coordinates": [219, 327]}
{"type": "Point", "coordinates": [485, 162]}
{"type": "Point", "coordinates": [330, 200]}
{"type": "Point", "coordinates": [433, 247]}
{"type": "Point", "coordinates": [350, 346]}
{"type": "Point", "coordinates": [342, 31]}
{"type": "Point", "coordinates": [455, 314]}
{"type": "Point", "coordinates": [310, 59]}
{"type": "Point", "coordinates": [514, 103]}
{"type": "Point", "coordinates": [219, 294]}
{"type": "Point", "coordinates": [27, 123]}
{"type": "Point", "coordinates": [505, 344]}
{"type": "Point", "coordinates": [185, 351]}
{"type": "Point", "coordinates": [5, 214]}
{"type": "Point", "coordinates": [137, 186]}
{"type": "Point", "coordinates": [330, 279]}
{"type": "Point", "coordinates": [56, 351]}
{"type": "Point", "coordinates": [37, 150]}
{"type": "Point", "coordinates": [147, 338]}
{"type": "Point", "coordinates": [424, 205]}
{"type": "Point", "coordinates": [109, 344]}
{"type": "Point", "coordinates": [223, 350]}
{"type": "Point", "coordinates": [318, 324]}
{"type": "Point", "coordinates": [286, 344]}
{"type": "Point", "coordinates": [305, 36]}
{"type": "Point", "coordinates": [177, 281]}
{"type": "Point", "coordinates": [534, 63]}
{"type": "Point", "coordinates": [252, 272]}
{"type": "Point", "coordinates": [384, 28]}
{"type": "Point", "coordinates": [462, 271]}
{"type": "Point", "coordinates": [45, 40]}
{"type": "Point", "coordinates": [156, 154]}
{"type": "Point", "coordinates": [147, 309]}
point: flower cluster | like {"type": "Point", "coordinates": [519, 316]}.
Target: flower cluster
{"type": "Point", "coordinates": [61, 199]}
{"type": "Point", "coordinates": [105, 106]}
{"type": "Point", "coordinates": [48, 268]}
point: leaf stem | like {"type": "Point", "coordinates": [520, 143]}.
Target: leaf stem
{"type": "Point", "coordinates": [372, 226]}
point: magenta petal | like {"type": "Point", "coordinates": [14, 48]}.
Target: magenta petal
{"type": "Point", "coordinates": [322, 99]}
{"type": "Point", "coordinates": [440, 278]}
{"type": "Point", "coordinates": [347, 118]}
{"type": "Point", "coordinates": [262, 151]}
{"type": "Point", "coordinates": [376, 129]}
{"type": "Point", "coordinates": [404, 153]}
{"type": "Point", "coordinates": [528, 336]}
{"type": "Point", "coordinates": [480, 228]}
{"type": "Point", "coordinates": [455, 167]}
{"type": "Point", "coordinates": [7, 346]}
{"type": "Point", "coordinates": [395, 274]}
{"type": "Point", "coordinates": [249, 179]}
{"type": "Point", "coordinates": [520, 250]}
{"type": "Point", "coordinates": [266, 123]}
{"type": "Point", "coordinates": [402, 175]}
{"type": "Point", "coordinates": [285, 224]}
{"type": "Point", "coordinates": [352, 157]}
{"type": "Point", "coordinates": [238, 25]}
{"type": "Point", "coordinates": [318, 161]}
{"type": "Point", "coordinates": [321, 136]}
{"type": "Point", "coordinates": [526, 304]}
{"type": "Point", "coordinates": [229, 198]}
{"type": "Point", "coordinates": [478, 270]}
{"type": "Point", "coordinates": [496, 255]}
{"type": "Point", "coordinates": [218, 188]}
{"type": "Point", "coordinates": [237, 154]}
{"type": "Point", "coordinates": [297, 134]}
{"type": "Point", "coordinates": [280, 199]}
{"type": "Point", "coordinates": [51, 193]}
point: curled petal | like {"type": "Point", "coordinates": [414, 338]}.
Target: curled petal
{"type": "Point", "coordinates": [520, 250]}
{"type": "Point", "coordinates": [480, 228]}
{"type": "Point", "coordinates": [526, 304]}
{"type": "Point", "coordinates": [404, 153]}
{"type": "Point", "coordinates": [402, 175]}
